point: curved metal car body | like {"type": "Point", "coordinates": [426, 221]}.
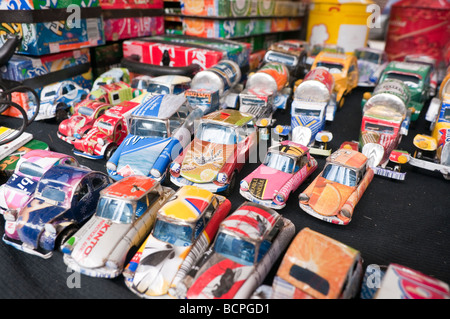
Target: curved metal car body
{"type": "Point", "coordinates": [16, 192]}
{"type": "Point", "coordinates": [247, 244]}
{"type": "Point", "coordinates": [183, 230]}
{"type": "Point", "coordinates": [283, 170]}
{"type": "Point", "coordinates": [160, 128]}
{"type": "Point", "coordinates": [316, 266]}
{"type": "Point", "coordinates": [82, 120]}
{"type": "Point", "coordinates": [64, 199]}
{"type": "Point", "coordinates": [334, 193]}
{"type": "Point", "coordinates": [220, 148]}
{"type": "Point", "coordinates": [59, 97]}
{"type": "Point", "coordinates": [125, 215]}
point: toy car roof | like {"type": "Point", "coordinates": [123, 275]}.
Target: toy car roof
{"type": "Point", "coordinates": [408, 67]}
{"type": "Point", "coordinates": [251, 221]}
{"type": "Point", "coordinates": [348, 157]}
{"type": "Point", "coordinates": [290, 149]}
{"type": "Point", "coordinates": [229, 116]}
{"type": "Point", "coordinates": [68, 175]}
{"type": "Point", "coordinates": [308, 250]}
{"type": "Point", "coordinates": [171, 79]}
{"type": "Point", "coordinates": [43, 154]}
{"type": "Point", "coordinates": [190, 203]}
{"type": "Point", "coordinates": [130, 188]}
{"type": "Point", "coordinates": [161, 106]}
{"type": "Point", "coordinates": [335, 57]}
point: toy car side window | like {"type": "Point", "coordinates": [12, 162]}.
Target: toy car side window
{"type": "Point", "coordinates": [99, 181]}
{"type": "Point", "coordinates": [81, 191]}
{"type": "Point", "coordinates": [71, 87]}
{"type": "Point", "coordinates": [69, 161]}
{"type": "Point", "coordinates": [65, 90]}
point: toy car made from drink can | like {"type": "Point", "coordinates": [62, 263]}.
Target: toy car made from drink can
{"type": "Point", "coordinates": [183, 231]}
{"type": "Point", "coordinates": [344, 68]}
{"type": "Point", "coordinates": [113, 75]}
{"type": "Point", "coordinates": [246, 246]}
{"type": "Point", "coordinates": [220, 148]}
{"type": "Point", "coordinates": [316, 266]}
{"type": "Point", "coordinates": [285, 167]}
{"type": "Point", "coordinates": [384, 122]}
{"type": "Point", "coordinates": [168, 84]}
{"type": "Point", "coordinates": [334, 193]}
{"type": "Point", "coordinates": [125, 214]}
{"type": "Point", "coordinates": [417, 77]}
{"type": "Point", "coordinates": [371, 63]}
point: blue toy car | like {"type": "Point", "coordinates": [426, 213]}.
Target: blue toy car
{"type": "Point", "coordinates": [65, 198]}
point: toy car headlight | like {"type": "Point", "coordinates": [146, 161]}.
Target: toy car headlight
{"type": "Point", "coordinates": [111, 166]}
{"type": "Point", "coordinates": [175, 167]}
{"type": "Point", "coordinates": [222, 178]}
{"type": "Point", "coordinates": [100, 141]}
{"type": "Point", "coordinates": [77, 135]}
{"type": "Point", "coordinates": [280, 198]}
{"type": "Point", "coordinates": [155, 173]}
{"type": "Point", "coordinates": [303, 197]}
{"type": "Point", "coordinates": [244, 185]}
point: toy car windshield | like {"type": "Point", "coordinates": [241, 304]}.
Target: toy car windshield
{"type": "Point", "coordinates": [332, 67]}
{"type": "Point", "coordinates": [215, 133]}
{"type": "Point", "coordinates": [177, 235]}
{"type": "Point", "coordinates": [158, 88]}
{"type": "Point", "coordinates": [48, 95]}
{"type": "Point", "coordinates": [378, 128]}
{"type": "Point", "coordinates": [85, 111]}
{"type": "Point", "coordinates": [306, 112]}
{"type": "Point", "coordinates": [148, 127]}
{"type": "Point", "coordinates": [340, 174]}
{"type": "Point", "coordinates": [115, 210]}
{"type": "Point", "coordinates": [408, 79]}
{"type": "Point", "coordinates": [279, 162]}
{"type": "Point", "coordinates": [367, 56]}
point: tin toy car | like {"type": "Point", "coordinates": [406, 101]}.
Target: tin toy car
{"type": "Point", "coordinates": [384, 122]}
{"type": "Point", "coordinates": [82, 120]}
{"type": "Point", "coordinates": [284, 168]}
{"type": "Point", "coordinates": [246, 246]}
{"type": "Point", "coordinates": [344, 69]}
{"type": "Point", "coordinates": [64, 199]}
{"type": "Point", "coordinates": [316, 266]}
{"type": "Point", "coordinates": [183, 230]}
{"type": "Point", "coordinates": [433, 152]}
{"type": "Point", "coordinates": [126, 212]}
{"type": "Point", "coordinates": [141, 82]}
{"type": "Point", "coordinates": [371, 63]}
{"type": "Point", "coordinates": [292, 53]}
{"type": "Point", "coordinates": [58, 100]}
{"type": "Point", "coordinates": [107, 132]}
{"type": "Point", "coordinates": [160, 128]}
{"type": "Point", "coordinates": [399, 282]}
{"type": "Point", "coordinates": [113, 93]}
{"type": "Point", "coordinates": [325, 47]}
{"type": "Point", "coordinates": [430, 61]}
{"type": "Point", "coordinates": [416, 77]}
{"type": "Point", "coordinates": [112, 76]}
{"type": "Point", "coordinates": [168, 84]}
{"type": "Point", "coordinates": [220, 148]}
{"type": "Point", "coordinates": [16, 192]}
{"type": "Point", "coordinates": [334, 193]}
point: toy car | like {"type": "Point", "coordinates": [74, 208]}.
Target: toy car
{"type": "Point", "coordinates": [385, 120]}
{"type": "Point", "coordinates": [82, 120]}
{"type": "Point", "coordinates": [371, 63]}
{"type": "Point", "coordinates": [426, 60]}
{"type": "Point", "coordinates": [325, 47]}
{"type": "Point", "coordinates": [160, 128]}
{"type": "Point", "coordinates": [221, 146]}
{"type": "Point", "coordinates": [334, 193]}
{"type": "Point", "coordinates": [316, 266]}
{"type": "Point", "coordinates": [141, 82]}
{"type": "Point", "coordinates": [344, 69]}
{"type": "Point", "coordinates": [108, 131]}
{"type": "Point", "coordinates": [292, 53]}
{"type": "Point", "coordinates": [283, 170]}
{"type": "Point", "coordinates": [58, 99]}
{"type": "Point", "coordinates": [416, 77]}
{"type": "Point", "coordinates": [183, 230]}
{"type": "Point", "coordinates": [168, 84]}
{"type": "Point", "coordinates": [113, 93]}
{"type": "Point", "coordinates": [247, 244]}
{"type": "Point", "coordinates": [30, 168]}
{"type": "Point", "coordinates": [112, 76]}
{"type": "Point", "coordinates": [125, 214]}
{"type": "Point", "coordinates": [64, 199]}
{"type": "Point", "coordinates": [400, 282]}
{"type": "Point", "coordinates": [433, 152]}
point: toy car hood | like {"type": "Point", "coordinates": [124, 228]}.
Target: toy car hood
{"type": "Point", "coordinates": [70, 126]}
{"type": "Point", "coordinates": [265, 181]}
{"type": "Point", "coordinates": [218, 278]}
{"type": "Point", "coordinates": [327, 197]}
{"type": "Point", "coordinates": [95, 241]}
{"type": "Point", "coordinates": [158, 266]}
{"type": "Point", "coordinates": [203, 160]}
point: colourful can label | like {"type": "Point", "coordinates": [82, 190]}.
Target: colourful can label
{"type": "Point", "coordinates": [279, 72]}
{"type": "Point", "coordinates": [321, 75]}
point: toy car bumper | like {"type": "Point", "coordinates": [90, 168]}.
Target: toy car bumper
{"type": "Point", "coordinates": [86, 155]}
{"type": "Point", "coordinates": [68, 139]}
{"type": "Point", "coordinates": [319, 151]}
{"type": "Point", "coordinates": [180, 181]}
{"type": "Point", "coordinates": [266, 203]}
{"type": "Point", "coordinates": [443, 169]}
{"type": "Point", "coordinates": [329, 219]}
{"type": "Point", "coordinates": [100, 272]}
{"type": "Point", "coordinates": [25, 248]}
{"type": "Point", "coordinates": [386, 172]}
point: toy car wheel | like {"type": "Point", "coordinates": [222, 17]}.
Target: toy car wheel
{"type": "Point", "coordinates": [65, 235]}
{"type": "Point", "coordinates": [61, 115]}
{"type": "Point", "coordinates": [110, 151]}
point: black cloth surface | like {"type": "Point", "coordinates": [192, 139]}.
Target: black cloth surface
{"type": "Point", "coordinates": [404, 222]}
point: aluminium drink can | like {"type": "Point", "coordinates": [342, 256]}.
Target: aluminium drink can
{"type": "Point", "coordinates": [317, 86]}
{"type": "Point", "coordinates": [272, 76]}
{"type": "Point", "coordinates": [221, 76]}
